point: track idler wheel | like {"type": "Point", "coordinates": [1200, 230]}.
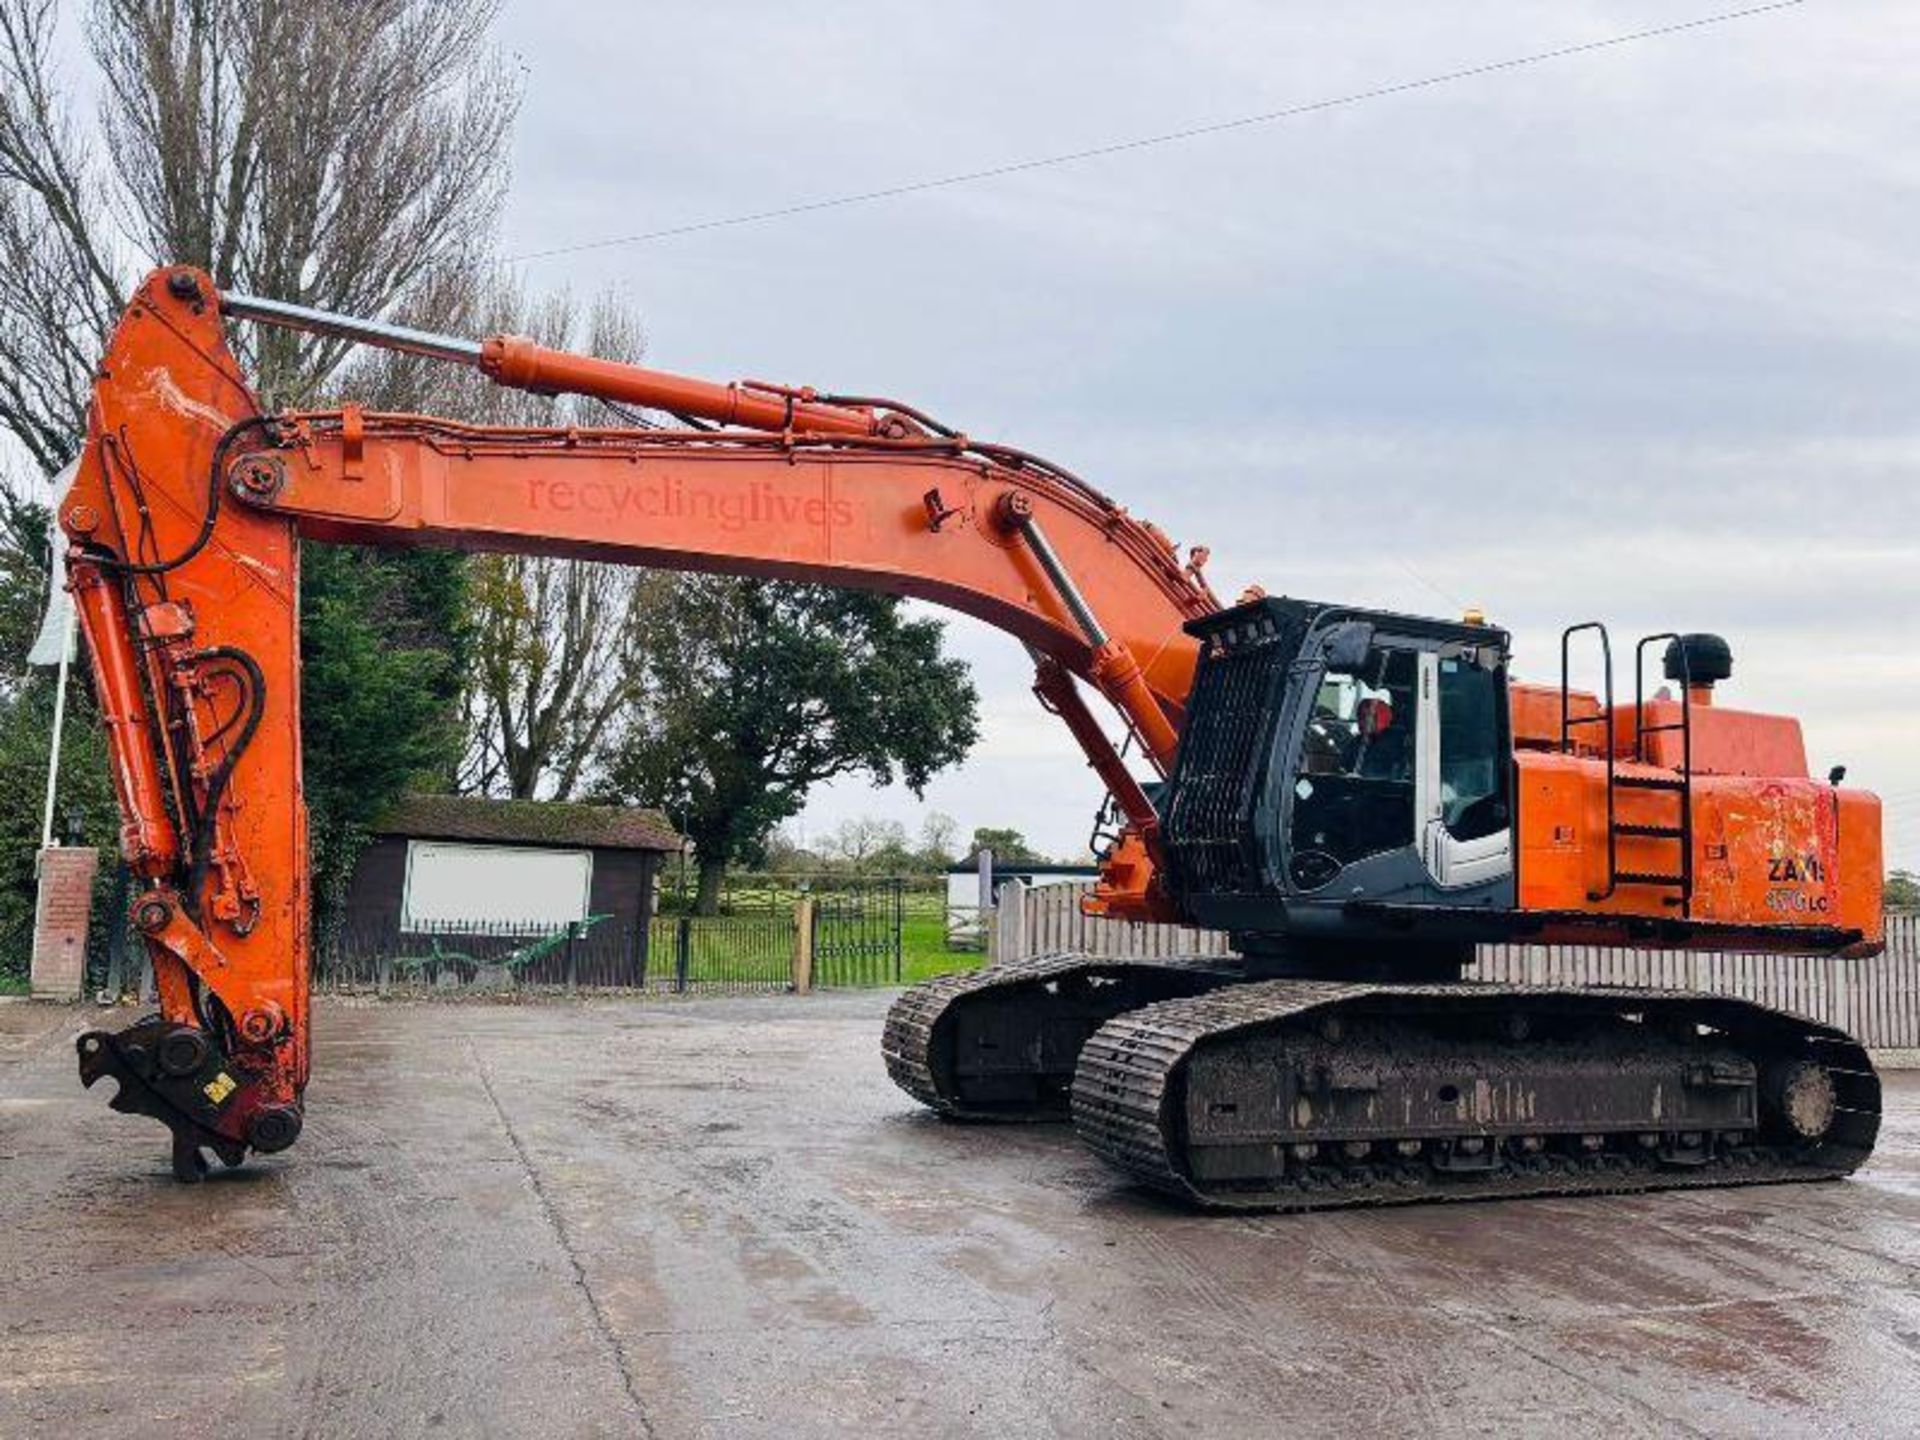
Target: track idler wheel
{"type": "Point", "coordinates": [1798, 1097]}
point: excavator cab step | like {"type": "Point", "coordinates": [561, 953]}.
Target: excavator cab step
{"type": "Point", "coordinates": [1650, 782]}
{"type": "Point", "coordinates": [1679, 785]}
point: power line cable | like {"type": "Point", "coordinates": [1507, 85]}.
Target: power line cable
{"type": "Point", "coordinates": [1145, 142]}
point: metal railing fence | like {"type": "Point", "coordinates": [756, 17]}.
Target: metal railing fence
{"type": "Point", "coordinates": [709, 954]}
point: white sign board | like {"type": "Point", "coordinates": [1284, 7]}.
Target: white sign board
{"type": "Point", "coordinates": [54, 643]}
{"type": "Point", "coordinates": [451, 886]}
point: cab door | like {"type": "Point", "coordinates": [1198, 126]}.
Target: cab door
{"type": "Point", "coordinates": [1352, 800]}
{"type": "Point", "coordinates": [1462, 771]}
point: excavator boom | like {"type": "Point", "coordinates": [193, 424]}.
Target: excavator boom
{"type": "Point", "coordinates": [185, 518]}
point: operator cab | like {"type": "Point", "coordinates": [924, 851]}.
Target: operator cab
{"type": "Point", "coordinates": [1339, 766]}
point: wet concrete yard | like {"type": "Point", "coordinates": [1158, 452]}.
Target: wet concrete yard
{"type": "Point", "coordinates": [719, 1218]}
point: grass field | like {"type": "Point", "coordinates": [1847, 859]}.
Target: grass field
{"type": "Point", "coordinates": [736, 950]}
{"type": "Point", "coordinates": [924, 952]}
{"type": "Point", "coordinates": [726, 952]}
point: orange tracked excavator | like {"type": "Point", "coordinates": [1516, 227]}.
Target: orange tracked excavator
{"type": "Point", "coordinates": [1359, 797]}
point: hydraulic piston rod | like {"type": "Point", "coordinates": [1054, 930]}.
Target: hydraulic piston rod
{"type": "Point", "coordinates": [348, 327]}
{"type": "Point", "coordinates": [518, 363]}
{"type": "Point", "coordinates": [1115, 669]}
{"type": "Point", "coordinates": [1062, 582]}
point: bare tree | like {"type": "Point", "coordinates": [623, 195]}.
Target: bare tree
{"type": "Point", "coordinates": [349, 154]}
{"type": "Point", "coordinates": [490, 302]}
{"type": "Point", "coordinates": [869, 846]}
{"type": "Point", "coordinates": [939, 839]}
{"type": "Point", "coordinates": [343, 153]}
{"type": "Point", "coordinates": [65, 281]}
{"type": "Point", "coordinates": [556, 646]}
{"type": "Point", "coordinates": [556, 667]}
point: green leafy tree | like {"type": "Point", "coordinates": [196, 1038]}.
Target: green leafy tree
{"type": "Point", "coordinates": [1903, 890]}
{"type": "Point", "coordinates": [756, 691]}
{"type": "Point", "coordinates": [1009, 846]}
{"type": "Point", "coordinates": [23, 583]}
{"type": "Point", "coordinates": [85, 803]}
{"type": "Point", "coordinates": [380, 648]}
{"type": "Point", "coordinates": [85, 808]}
{"type": "Point", "coordinates": [783, 854]}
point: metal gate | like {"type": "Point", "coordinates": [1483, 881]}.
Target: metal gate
{"type": "Point", "coordinates": [857, 936]}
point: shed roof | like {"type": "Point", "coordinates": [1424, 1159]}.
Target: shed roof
{"type": "Point", "coordinates": [528, 822]}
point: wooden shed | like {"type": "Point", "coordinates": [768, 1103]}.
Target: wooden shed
{"type": "Point", "coordinates": [456, 865]}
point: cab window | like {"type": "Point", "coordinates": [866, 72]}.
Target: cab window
{"type": "Point", "coordinates": [1471, 801]}
{"type": "Point", "coordinates": [1354, 776]}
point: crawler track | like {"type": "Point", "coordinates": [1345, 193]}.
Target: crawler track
{"type": "Point", "coordinates": [1322, 1095]}
{"type": "Point", "coordinates": [1000, 1043]}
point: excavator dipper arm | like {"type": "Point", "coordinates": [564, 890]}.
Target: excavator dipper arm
{"type": "Point", "coordinates": [184, 520]}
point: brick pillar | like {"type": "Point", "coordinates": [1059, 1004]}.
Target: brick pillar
{"type": "Point", "coordinates": [60, 922]}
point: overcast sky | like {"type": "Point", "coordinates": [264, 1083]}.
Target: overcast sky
{"type": "Point", "coordinates": [1631, 335]}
